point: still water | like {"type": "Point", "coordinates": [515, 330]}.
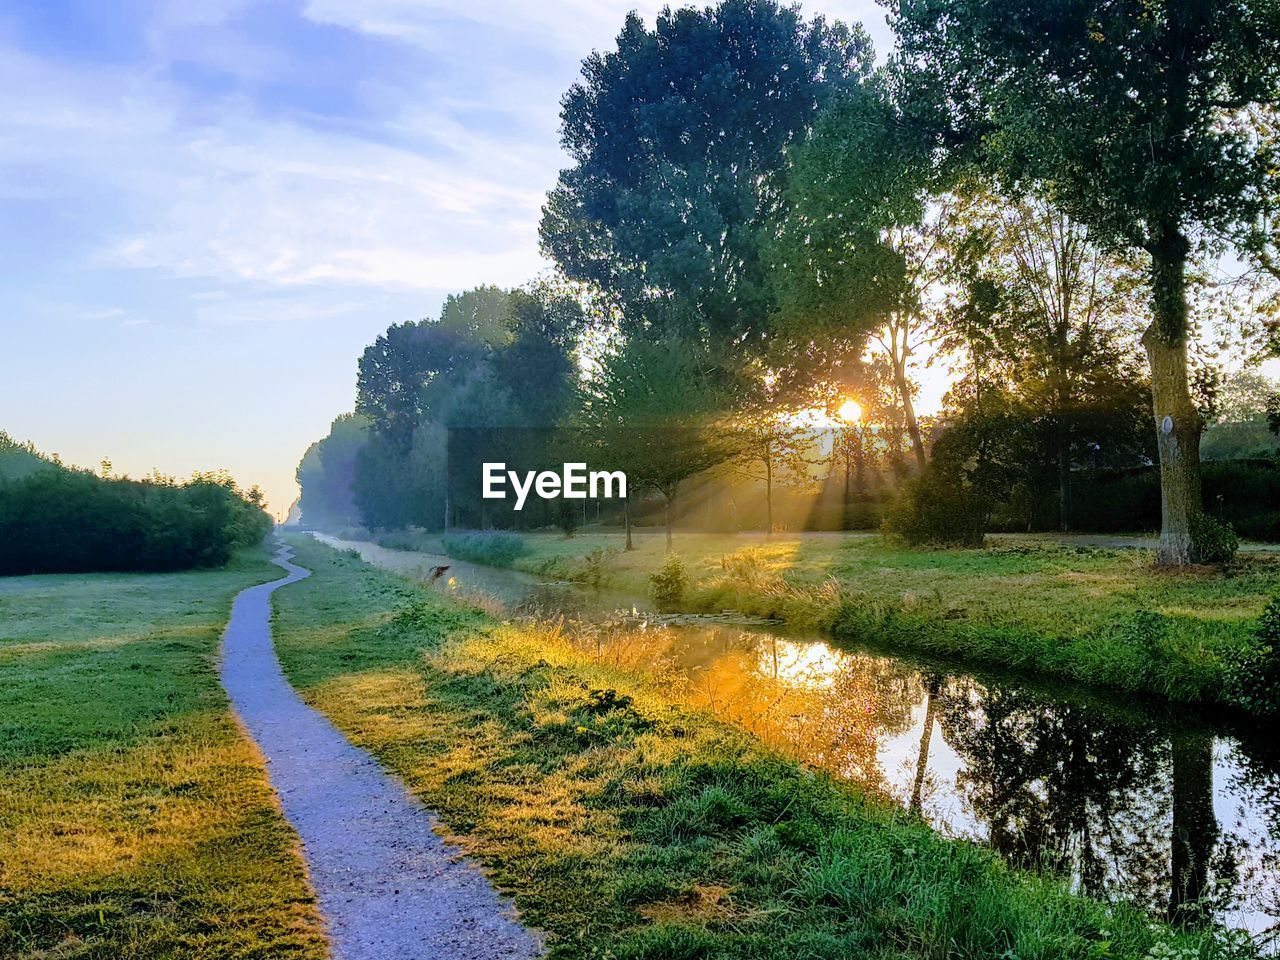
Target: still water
{"type": "Point", "coordinates": [1161, 805]}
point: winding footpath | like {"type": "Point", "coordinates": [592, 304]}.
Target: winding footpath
{"type": "Point", "coordinates": [387, 885]}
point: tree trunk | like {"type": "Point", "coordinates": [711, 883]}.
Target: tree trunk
{"type": "Point", "coordinates": [768, 498]}
{"type": "Point", "coordinates": [1195, 829]}
{"type": "Point", "coordinates": [1064, 475]}
{"type": "Point", "coordinates": [926, 735]}
{"type": "Point", "coordinates": [1178, 423]}
{"type": "Point", "coordinates": [626, 520]}
{"type": "Point", "coordinates": [909, 410]}
{"type": "Point", "coordinates": [671, 499]}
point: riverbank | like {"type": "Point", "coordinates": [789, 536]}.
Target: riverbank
{"type": "Point", "coordinates": [1103, 617]}
{"type": "Point", "coordinates": [135, 819]}
{"type": "Point", "coordinates": [627, 824]}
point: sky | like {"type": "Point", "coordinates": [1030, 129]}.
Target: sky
{"type": "Point", "coordinates": [208, 209]}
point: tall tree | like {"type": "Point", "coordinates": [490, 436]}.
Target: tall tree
{"type": "Point", "coordinates": [1139, 117]}
{"type": "Point", "coordinates": [1063, 332]}
{"type": "Point", "coordinates": [327, 471]}
{"type": "Point", "coordinates": [860, 250]}
{"type": "Point", "coordinates": [653, 411]}
{"type": "Point", "coordinates": [679, 139]}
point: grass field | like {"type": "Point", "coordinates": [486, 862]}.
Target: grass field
{"type": "Point", "coordinates": [135, 820]}
{"type": "Point", "coordinates": [629, 826]}
{"type": "Point", "coordinates": [1099, 616]}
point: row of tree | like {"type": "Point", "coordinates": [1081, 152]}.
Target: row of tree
{"type": "Point", "coordinates": [759, 219]}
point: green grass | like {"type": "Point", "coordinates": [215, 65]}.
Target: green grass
{"type": "Point", "coordinates": [1097, 616]}
{"type": "Point", "coordinates": [135, 820]}
{"type": "Point", "coordinates": [629, 826]}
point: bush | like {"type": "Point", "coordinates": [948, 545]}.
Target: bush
{"type": "Point", "coordinates": [568, 516]}
{"type": "Point", "coordinates": [69, 521]}
{"type": "Point", "coordinates": [1253, 673]}
{"type": "Point", "coordinates": [495, 548]}
{"type": "Point", "coordinates": [596, 569]}
{"type": "Point", "coordinates": [1243, 493]}
{"type": "Point", "coordinates": [939, 511]}
{"type": "Point", "coordinates": [668, 585]}
{"type": "Point", "coordinates": [1215, 541]}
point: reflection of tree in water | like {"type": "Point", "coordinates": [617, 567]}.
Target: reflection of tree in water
{"type": "Point", "coordinates": [1061, 790]}
{"type": "Point", "coordinates": [829, 710]}
{"type": "Point", "coordinates": [1107, 798]}
{"type": "Point", "coordinates": [1251, 842]}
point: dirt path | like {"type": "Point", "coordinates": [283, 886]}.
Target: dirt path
{"type": "Point", "coordinates": [389, 888]}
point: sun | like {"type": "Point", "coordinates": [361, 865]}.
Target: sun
{"type": "Point", "coordinates": [849, 411]}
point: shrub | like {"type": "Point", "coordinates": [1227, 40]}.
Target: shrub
{"type": "Point", "coordinates": [595, 569]}
{"type": "Point", "coordinates": [568, 516]}
{"type": "Point", "coordinates": [1215, 541]}
{"type": "Point", "coordinates": [495, 548]}
{"type": "Point", "coordinates": [940, 511]}
{"type": "Point", "coordinates": [668, 585]}
{"type": "Point", "coordinates": [1253, 672]}
{"type": "Point", "coordinates": [69, 521]}
{"type": "Point", "coordinates": [1243, 493]}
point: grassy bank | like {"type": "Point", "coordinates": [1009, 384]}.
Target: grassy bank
{"type": "Point", "coordinates": [1097, 616]}
{"type": "Point", "coordinates": [135, 820]}
{"type": "Point", "coordinates": [629, 826]}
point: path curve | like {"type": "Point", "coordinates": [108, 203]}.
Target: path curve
{"type": "Point", "coordinates": [388, 886]}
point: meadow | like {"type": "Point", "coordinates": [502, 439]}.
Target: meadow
{"type": "Point", "coordinates": [135, 819]}
{"type": "Point", "coordinates": [1107, 617]}
{"type": "Point", "coordinates": [628, 825]}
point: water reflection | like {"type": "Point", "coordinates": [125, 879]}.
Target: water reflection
{"type": "Point", "coordinates": [1128, 801]}
{"type": "Point", "coordinates": [1156, 810]}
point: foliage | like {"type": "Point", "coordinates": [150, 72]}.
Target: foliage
{"type": "Point", "coordinates": [495, 548]}
{"type": "Point", "coordinates": [1253, 679]}
{"type": "Point", "coordinates": [1242, 493]}
{"type": "Point", "coordinates": [326, 474]}
{"type": "Point", "coordinates": [69, 521]}
{"type": "Point", "coordinates": [859, 249]}
{"type": "Point", "coordinates": [17, 460]}
{"type": "Point", "coordinates": [1215, 541]}
{"type": "Point", "coordinates": [679, 139]}
{"type": "Point", "coordinates": [941, 510]}
{"type": "Point", "coordinates": [653, 412]}
{"type": "Point", "coordinates": [135, 818]}
{"type": "Point", "coordinates": [1145, 124]}
{"type": "Point", "coordinates": [668, 584]}
{"type": "Point", "coordinates": [489, 381]}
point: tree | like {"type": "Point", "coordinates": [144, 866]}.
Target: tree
{"type": "Point", "coordinates": [653, 411]}
{"type": "Point", "coordinates": [771, 448]}
{"type": "Point", "coordinates": [1060, 335]}
{"type": "Point", "coordinates": [490, 380]}
{"type": "Point", "coordinates": [1138, 119]}
{"type": "Point", "coordinates": [860, 250]}
{"type": "Point", "coordinates": [679, 139]}
{"type": "Point", "coordinates": [396, 369]}
{"type": "Point", "coordinates": [326, 474]}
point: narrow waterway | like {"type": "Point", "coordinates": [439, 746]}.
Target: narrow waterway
{"type": "Point", "coordinates": [1161, 805]}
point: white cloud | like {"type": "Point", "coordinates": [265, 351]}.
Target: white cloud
{"type": "Point", "coordinates": [570, 25]}
{"type": "Point", "coordinates": [246, 197]}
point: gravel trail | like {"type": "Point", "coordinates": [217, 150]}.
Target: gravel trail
{"type": "Point", "coordinates": [388, 886]}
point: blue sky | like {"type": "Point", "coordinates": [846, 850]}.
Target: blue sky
{"type": "Point", "coordinates": [209, 207]}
